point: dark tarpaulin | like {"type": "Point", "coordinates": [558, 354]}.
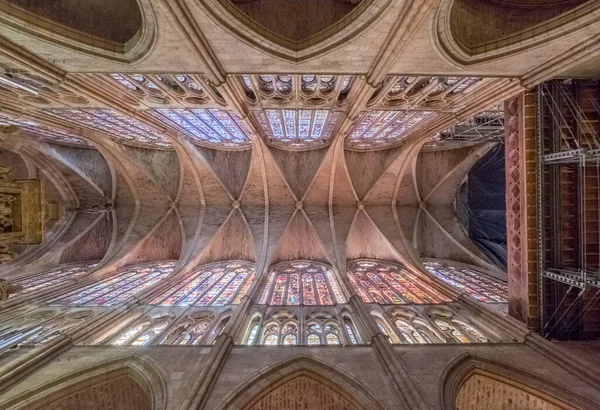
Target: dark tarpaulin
{"type": "Point", "coordinates": [481, 205]}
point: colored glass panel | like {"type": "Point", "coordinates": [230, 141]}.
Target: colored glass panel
{"type": "Point", "coordinates": [388, 284]}
{"type": "Point", "coordinates": [351, 334]}
{"type": "Point", "coordinates": [308, 292]}
{"type": "Point", "coordinates": [124, 285]}
{"type": "Point", "coordinates": [124, 338]}
{"type": "Point", "coordinates": [252, 335]}
{"type": "Point", "coordinates": [289, 339]}
{"type": "Point", "coordinates": [475, 284]}
{"type": "Point", "coordinates": [335, 287]}
{"type": "Point", "coordinates": [49, 278]}
{"type": "Point", "coordinates": [265, 295]}
{"type": "Point", "coordinates": [323, 290]}
{"type": "Point", "coordinates": [117, 126]}
{"type": "Point", "coordinates": [379, 128]}
{"type": "Point", "coordinates": [209, 126]}
{"type": "Point", "coordinates": [294, 290]}
{"type": "Point", "coordinates": [215, 285]}
{"type": "Point", "coordinates": [271, 340]}
{"type": "Point", "coordinates": [332, 339]}
{"type": "Point", "coordinates": [278, 292]}
{"type": "Point", "coordinates": [313, 339]}
{"type": "Point", "coordinates": [298, 127]}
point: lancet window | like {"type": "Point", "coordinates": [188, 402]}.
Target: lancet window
{"type": "Point", "coordinates": [212, 285]}
{"type": "Point", "coordinates": [191, 330]}
{"type": "Point", "coordinates": [477, 285]}
{"type": "Point", "coordinates": [35, 129]}
{"type": "Point", "coordinates": [439, 326]}
{"type": "Point", "coordinates": [119, 288]}
{"type": "Point", "coordinates": [386, 283]}
{"type": "Point", "coordinates": [280, 329]}
{"type": "Point", "coordinates": [302, 283]}
{"type": "Point", "coordinates": [379, 128]}
{"type": "Point", "coordinates": [117, 126]}
{"type": "Point", "coordinates": [213, 127]}
{"type": "Point", "coordinates": [144, 332]}
{"type": "Point", "coordinates": [298, 128]}
{"type": "Point", "coordinates": [46, 279]}
{"type": "Point", "coordinates": [322, 331]}
{"type": "Point", "coordinates": [41, 326]}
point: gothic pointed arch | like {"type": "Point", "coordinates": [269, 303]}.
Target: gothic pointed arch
{"type": "Point", "coordinates": [123, 31]}
{"type": "Point", "coordinates": [316, 27]}
{"type": "Point", "coordinates": [472, 382]}
{"type": "Point", "coordinates": [316, 383]}
{"type": "Point", "coordinates": [130, 383]}
{"type": "Point", "coordinates": [503, 28]}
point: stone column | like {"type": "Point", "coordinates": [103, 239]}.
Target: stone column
{"type": "Point", "coordinates": [521, 207]}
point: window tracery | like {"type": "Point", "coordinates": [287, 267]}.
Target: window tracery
{"type": "Point", "coordinates": [212, 285]}
{"type": "Point", "coordinates": [45, 279]}
{"type": "Point", "coordinates": [118, 288]}
{"type": "Point", "coordinates": [280, 329]}
{"type": "Point", "coordinates": [477, 285]}
{"type": "Point", "coordinates": [440, 325]}
{"type": "Point", "coordinates": [212, 127]}
{"type": "Point", "coordinates": [41, 326]}
{"type": "Point", "coordinates": [381, 128]}
{"type": "Point", "coordinates": [155, 90]}
{"type": "Point", "coordinates": [406, 92]}
{"type": "Point", "coordinates": [144, 331]}
{"type": "Point", "coordinates": [43, 132]}
{"type": "Point", "coordinates": [304, 91]}
{"type": "Point", "coordinates": [386, 283]}
{"type": "Point", "coordinates": [302, 283]}
{"type": "Point", "coordinates": [190, 330]}
{"type": "Point", "coordinates": [116, 126]}
{"type": "Point", "coordinates": [301, 129]}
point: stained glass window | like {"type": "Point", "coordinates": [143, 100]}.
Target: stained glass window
{"type": "Point", "coordinates": [452, 331]}
{"type": "Point", "coordinates": [332, 339]}
{"type": "Point", "coordinates": [380, 128]}
{"type": "Point", "coordinates": [147, 337]}
{"type": "Point", "coordinates": [252, 336]}
{"type": "Point", "coordinates": [386, 283]}
{"type": "Point", "coordinates": [289, 339]}
{"type": "Point", "coordinates": [313, 339]}
{"type": "Point", "coordinates": [47, 133]}
{"type": "Point", "coordinates": [351, 334]}
{"type": "Point", "coordinates": [212, 285]}
{"type": "Point", "coordinates": [129, 334]}
{"type": "Point", "coordinates": [298, 128]}
{"type": "Point", "coordinates": [45, 279]}
{"type": "Point", "coordinates": [119, 288]}
{"type": "Point", "coordinates": [302, 283]}
{"type": "Point", "coordinates": [208, 126]}
{"type": "Point", "coordinates": [271, 340]}
{"type": "Point", "coordinates": [477, 285]}
{"type": "Point", "coordinates": [117, 126]}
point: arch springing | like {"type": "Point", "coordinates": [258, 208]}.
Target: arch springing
{"type": "Point", "coordinates": [119, 288]}
{"type": "Point", "coordinates": [302, 283]}
{"type": "Point", "coordinates": [212, 285]}
{"type": "Point", "coordinates": [386, 283]}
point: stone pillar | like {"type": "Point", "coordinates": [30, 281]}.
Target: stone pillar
{"type": "Point", "coordinates": [521, 207]}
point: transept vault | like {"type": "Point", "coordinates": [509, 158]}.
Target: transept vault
{"type": "Point", "coordinates": [260, 204]}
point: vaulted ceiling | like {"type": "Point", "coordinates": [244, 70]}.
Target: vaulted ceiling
{"type": "Point", "coordinates": [213, 135]}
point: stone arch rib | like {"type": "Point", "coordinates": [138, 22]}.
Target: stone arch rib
{"type": "Point", "coordinates": [458, 372]}
{"type": "Point", "coordinates": [141, 373]}
{"type": "Point", "coordinates": [346, 388]}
